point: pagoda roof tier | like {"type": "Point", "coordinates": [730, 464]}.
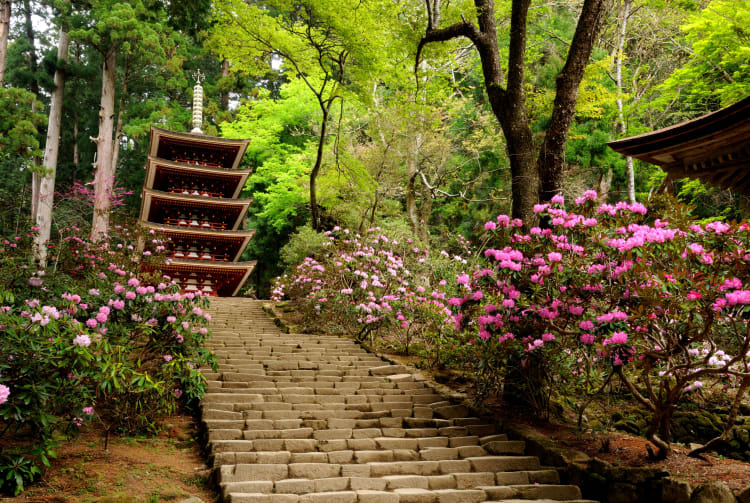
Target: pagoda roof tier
{"type": "Point", "coordinates": [224, 278]}
{"type": "Point", "coordinates": [156, 206]}
{"type": "Point", "coordinates": [168, 176]}
{"type": "Point", "coordinates": [229, 244]}
{"type": "Point", "coordinates": [714, 148]}
{"type": "Point", "coordinates": [196, 148]}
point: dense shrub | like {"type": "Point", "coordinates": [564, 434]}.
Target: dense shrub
{"type": "Point", "coordinates": [89, 339]}
{"type": "Point", "coordinates": [602, 292]}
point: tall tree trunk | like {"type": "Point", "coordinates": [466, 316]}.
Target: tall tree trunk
{"type": "Point", "coordinates": [104, 176]}
{"type": "Point", "coordinates": [314, 210]}
{"type": "Point", "coordinates": [630, 171]}
{"type": "Point", "coordinates": [551, 162]}
{"type": "Point", "coordinates": [118, 129]}
{"type": "Point", "coordinates": [76, 153]}
{"type": "Point", "coordinates": [4, 34]}
{"type": "Point", "coordinates": [47, 186]}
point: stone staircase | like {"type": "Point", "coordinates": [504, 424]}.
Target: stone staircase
{"type": "Point", "coordinates": [298, 418]}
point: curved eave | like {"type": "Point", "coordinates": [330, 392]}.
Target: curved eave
{"type": "Point", "coordinates": [196, 233]}
{"type": "Point", "coordinates": [200, 140]}
{"type": "Point", "coordinates": [154, 163]}
{"type": "Point", "coordinates": [192, 201]}
{"type": "Point", "coordinates": [241, 270]}
{"type": "Point", "coordinates": [714, 148]}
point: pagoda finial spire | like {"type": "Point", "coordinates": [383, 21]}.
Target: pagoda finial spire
{"type": "Point", "coordinates": [198, 102]}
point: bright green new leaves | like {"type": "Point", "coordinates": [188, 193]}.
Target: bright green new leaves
{"type": "Point", "coordinates": [282, 138]}
{"type": "Point", "coordinates": [718, 72]}
{"type": "Point", "coordinates": [314, 38]}
{"type": "Point", "coordinates": [18, 123]}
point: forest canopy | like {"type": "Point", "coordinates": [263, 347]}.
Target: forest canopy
{"type": "Point", "coordinates": [439, 114]}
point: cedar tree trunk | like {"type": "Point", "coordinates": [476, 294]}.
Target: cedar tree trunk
{"type": "Point", "coordinates": [103, 173]}
{"type": "Point", "coordinates": [47, 186]}
{"type": "Point", "coordinates": [4, 33]}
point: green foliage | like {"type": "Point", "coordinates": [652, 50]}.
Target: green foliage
{"type": "Point", "coordinates": [305, 242]}
{"type": "Point", "coordinates": [89, 340]}
{"type": "Point", "coordinates": [19, 124]}
{"type": "Point", "coordinates": [717, 73]}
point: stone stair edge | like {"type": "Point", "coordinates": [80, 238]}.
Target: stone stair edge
{"type": "Point", "coordinates": [550, 452]}
{"type": "Point", "coordinates": [552, 456]}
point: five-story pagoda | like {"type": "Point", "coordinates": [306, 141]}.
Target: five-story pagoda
{"type": "Point", "coordinates": [191, 196]}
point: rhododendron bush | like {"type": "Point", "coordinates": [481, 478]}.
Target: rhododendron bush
{"type": "Point", "coordinates": [89, 339]}
{"type": "Point", "coordinates": [598, 293]}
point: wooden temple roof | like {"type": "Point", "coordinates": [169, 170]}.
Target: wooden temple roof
{"type": "Point", "coordinates": [714, 148]}
{"type": "Point", "coordinates": [159, 171]}
{"type": "Point", "coordinates": [191, 196]}
{"type": "Point", "coordinates": [227, 277]}
{"type": "Point", "coordinates": [189, 148]}
{"type": "Point", "coordinates": [231, 240]}
{"type": "Point", "coordinates": [154, 200]}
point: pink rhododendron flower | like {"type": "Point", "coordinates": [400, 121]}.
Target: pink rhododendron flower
{"type": "Point", "coordinates": [91, 323]}
{"type": "Point", "coordinates": [130, 295]}
{"type": "Point", "coordinates": [4, 393]}
{"type": "Point", "coordinates": [619, 338]}
{"type": "Point", "coordinates": [587, 338]}
{"type": "Point", "coordinates": [82, 340]}
{"type": "Point", "coordinates": [89, 411]}
{"type": "Point", "coordinates": [586, 325]}
{"type": "Point", "coordinates": [693, 295]}
{"type": "Point", "coordinates": [167, 358]}
{"type": "Point", "coordinates": [133, 282]}
{"type": "Point", "coordinates": [118, 304]}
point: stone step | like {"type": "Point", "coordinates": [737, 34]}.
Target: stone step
{"type": "Point", "coordinates": [352, 489]}
{"type": "Point", "coordinates": [305, 418]}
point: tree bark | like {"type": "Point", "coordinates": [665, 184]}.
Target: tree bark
{"type": "Point", "coordinates": [630, 172]}
{"type": "Point", "coordinates": [43, 215]}
{"type": "Point", "coordinates": [725, 435]}
{"type": "Point", "coordinates": [508, 105]}
{"type": "Point", "coordinates": [551, 162]}
{"type": "Point", "coordinates": [314, 210]}
{"type": "Point", "coordinates": [118, 129]}
{"type": "Point", "coordinates": [103, 173]}
{"type": "Point", "coordinates": [4, 34]}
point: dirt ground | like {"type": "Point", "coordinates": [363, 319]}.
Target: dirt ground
{"type": "Point", "coordinates": [622, 449]}
{"type": "Point", "coordinates": [168, 467]}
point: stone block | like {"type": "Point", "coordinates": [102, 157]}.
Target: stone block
{"type": "Point", "coordinates": [373, 496]}
{"type": "Point", "coordinates": [413, 495]}
{"type": "Point", "coordinates": [295, 486]}
{"type": "Point", "coordinates": [314, 470]}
